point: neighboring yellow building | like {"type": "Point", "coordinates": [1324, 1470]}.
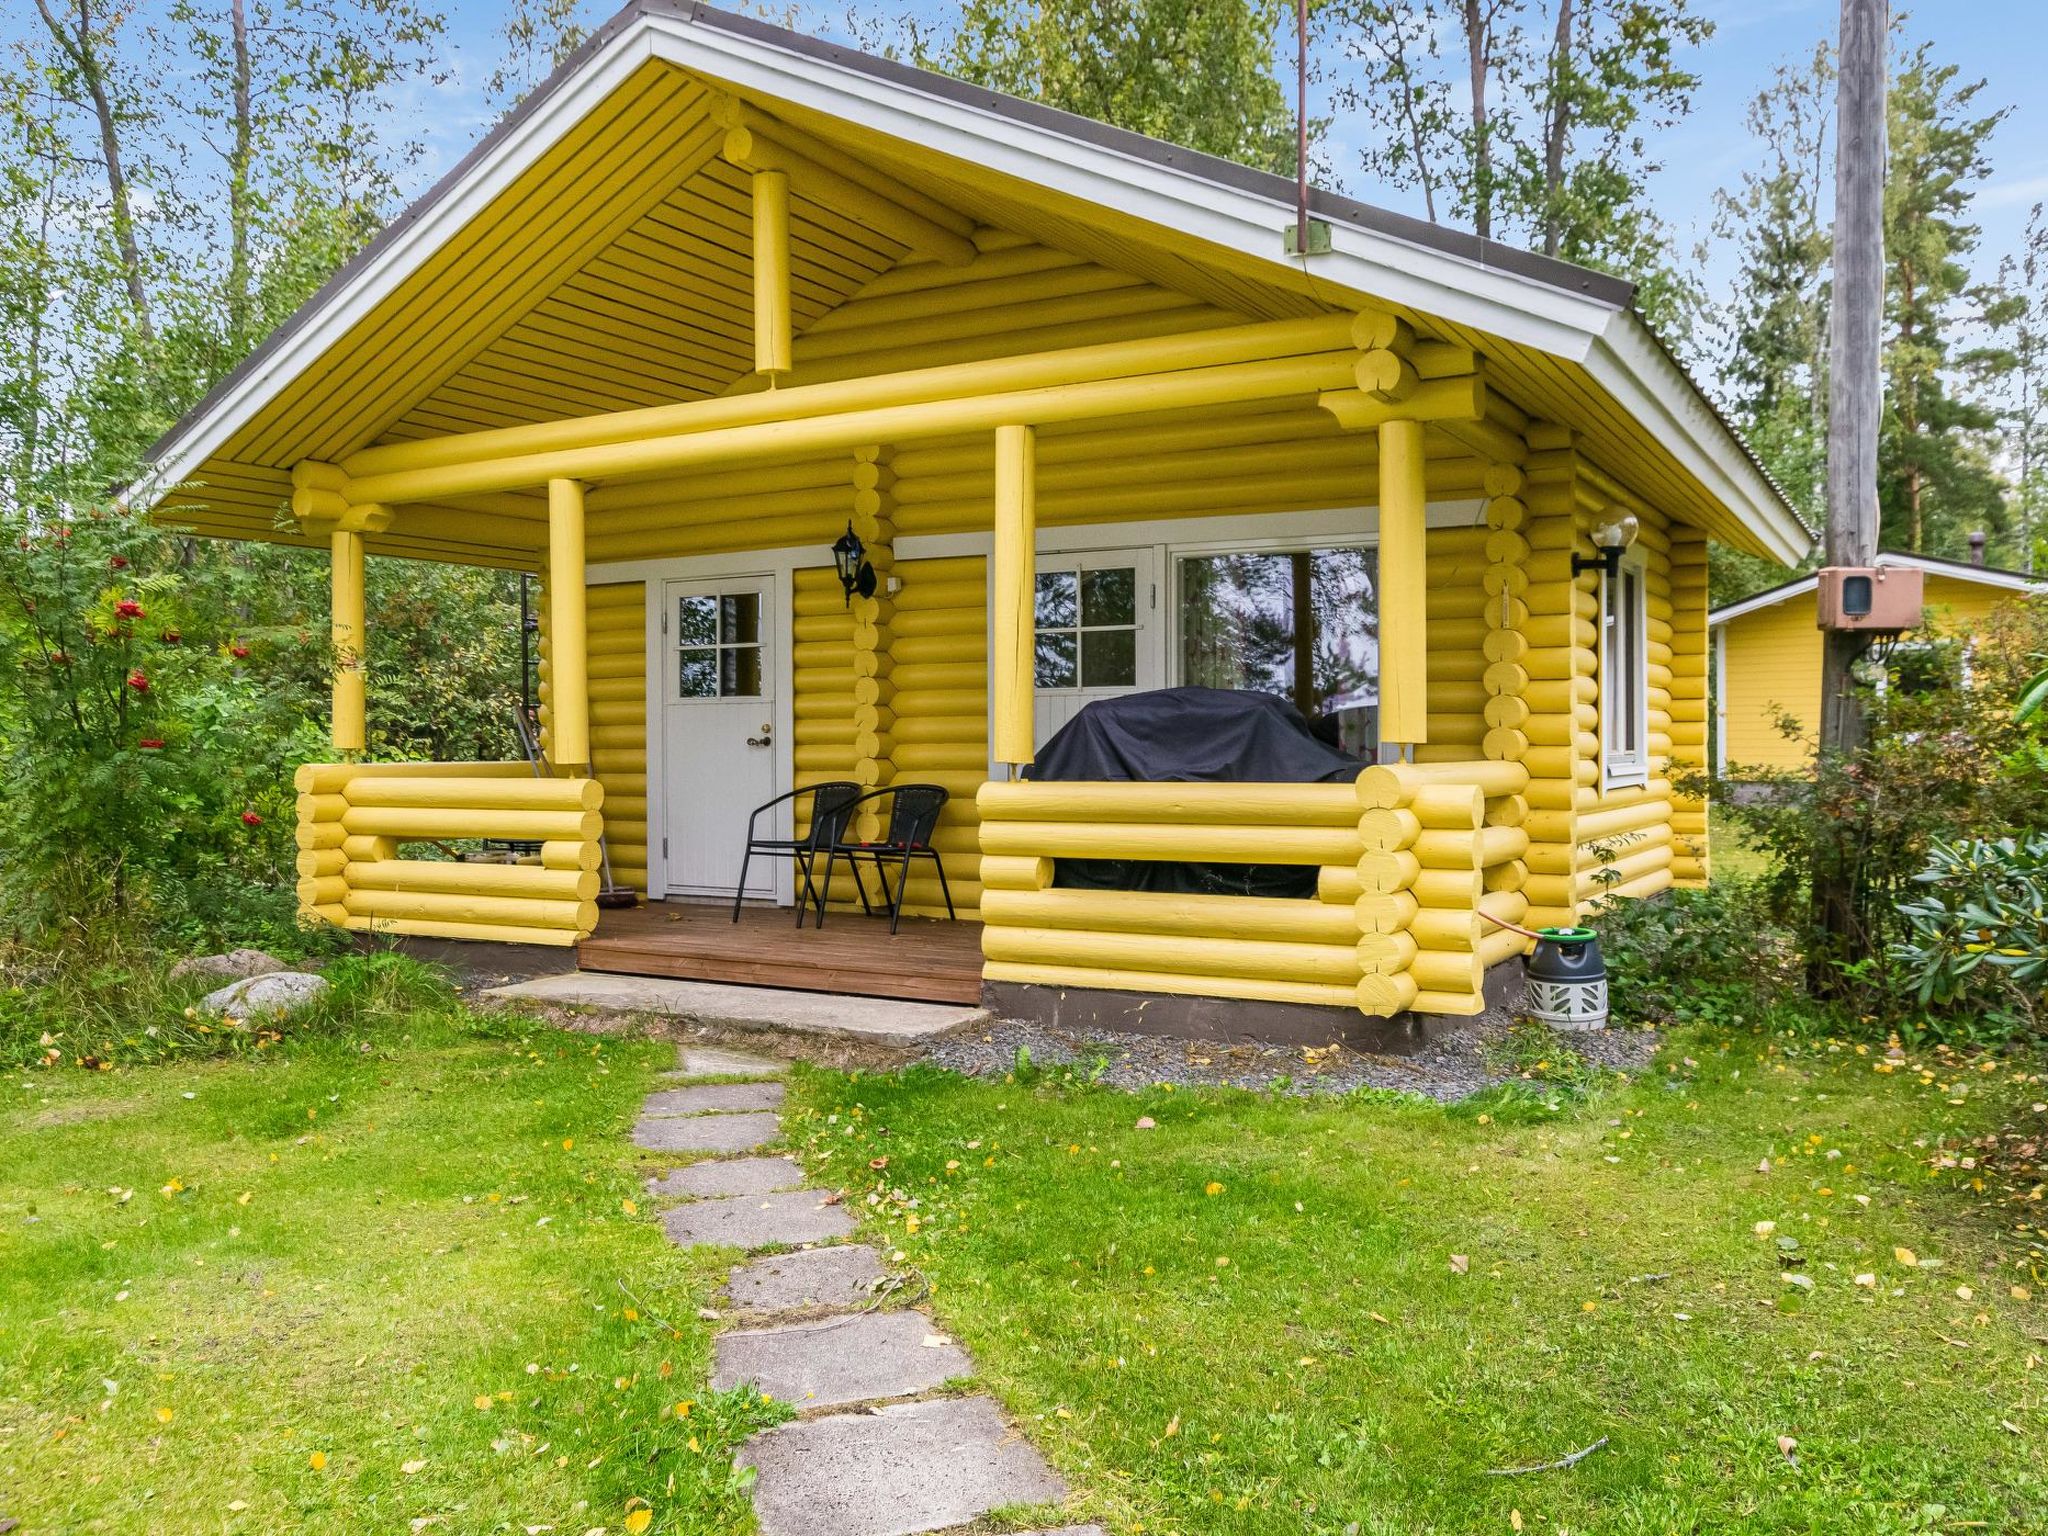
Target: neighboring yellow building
{"type": "Point", "coordinates": [1767, 654]}
{"type": "Point", "coordinates": [717, 294]}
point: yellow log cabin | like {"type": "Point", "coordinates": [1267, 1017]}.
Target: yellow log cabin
{"type": "Point", "coordinates": [1767, 657]}
{"type": "Point", "coordinates": [718, 294]}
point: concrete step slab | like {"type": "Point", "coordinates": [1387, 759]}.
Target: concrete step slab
{"type": "Point", "coordinates": [716, 1061]}
{"type": "Point", "coordinates": [707, 1133]}
{"type": "Point", "coordinates": [713, 1099]}
{"type": "Point", "coordinates": [856, 1359]}
{"type": "Point", "coordinates": [758, 1221]}
{"type": "Point", "coordinates": [901, 1470]}
{"type": "Point", "coordinates": [826, 1015]}
{"type": "Point", "coordinates": [814, 1277]}
{"type": "Point", "coordinates": [728, 1176]}
{"type": "Point", "coordinates": [1068, 1530]}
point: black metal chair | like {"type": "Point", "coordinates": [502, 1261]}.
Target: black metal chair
{"type": "Point", "coordinates": [913, 816]}
{"type": "Point", "coordinates": [832, 803]}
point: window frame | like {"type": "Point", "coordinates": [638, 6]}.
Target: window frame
{"type": "Point", "coordinates": [1625, 701]}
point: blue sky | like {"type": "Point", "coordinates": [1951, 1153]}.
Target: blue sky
{"type": "Point", "coordinates": [2000, 40]}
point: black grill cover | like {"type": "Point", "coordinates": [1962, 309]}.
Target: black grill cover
{"type": "Point", "coordinates": [1191, 735]}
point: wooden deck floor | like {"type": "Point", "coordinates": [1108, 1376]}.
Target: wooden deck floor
{"type": "Point", "coordinates": [927, 961]}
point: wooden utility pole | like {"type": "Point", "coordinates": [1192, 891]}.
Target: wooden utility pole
{"type": "Point", "coordinates": [1855, 378]}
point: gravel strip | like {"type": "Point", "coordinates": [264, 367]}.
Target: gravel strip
{"type": "Point", "coordinates": [1447, 1069]}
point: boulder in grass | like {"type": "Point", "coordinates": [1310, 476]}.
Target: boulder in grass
{"type": "Point", "coordinates": [235, 965]}
{"type": "Point", "coordinates": [271, 996]}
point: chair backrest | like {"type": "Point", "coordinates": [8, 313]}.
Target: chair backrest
{"type": "Point", "coordinates": [914, 814]}
{"type": "Point", "coordinates": [831, 808]}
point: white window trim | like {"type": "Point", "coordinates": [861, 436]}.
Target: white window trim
{"type": "Point", "coordinates": [1626, 770]}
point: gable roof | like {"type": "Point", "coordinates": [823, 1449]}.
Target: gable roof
{"type": "Point", "coordinates": [1932, 565]}
{"type": "Point", "coordinates": [1546, 327]}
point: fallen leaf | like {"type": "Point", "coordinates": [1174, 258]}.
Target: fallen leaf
{"type": "Point", "coordinates": [410, 1467]}
{"type": "Point", "coordinates": [2021, 1293]}
{"type": "Point", "coordinates": [1766, 1228]}
{"type": "Point", "coordinates": [483, 1402]}
{"type": "Point", "coordinates": [1905, 1257]}
{"type": "Point", "coordinates": [1212, 1188]}
{"type": "Point", "coordinates": [1460, 1264]}
{"type": "Point", "coordinates": [1147, 1123]}
{"type": "Point", "coordinates": [1804, 1282]}
{"type": "Point", "coordinates": [317, 1461]}
{"type": "Point", "coordinates": [163, 1415]}
{"type": "Point", "coordinates": [638, 1520]}
{"type": "Point", "coordinates": [1172, 1426]}
{"type": "Point", "coordinates": [1868, 1282]}
{"type": "Point", "coordinates": [1787, 1445]}
{"type": "Point", "coordinates": [1514, 1519]}
{"type": "Point", "coordinates": [936, 1341]}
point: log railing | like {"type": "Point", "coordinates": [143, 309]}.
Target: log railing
{"type": "Point", "coordinates": [1407, 860]}
{"type": "Point", "coordinates": [353, 817]}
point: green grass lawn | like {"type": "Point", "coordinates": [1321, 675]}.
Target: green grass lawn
{"type": "Point", "coordinates": [1730, 853]}
{"type": "Point", "coordinates": [1272, 1316]}
{"type": "Point", "coordinates": [361, 1283]}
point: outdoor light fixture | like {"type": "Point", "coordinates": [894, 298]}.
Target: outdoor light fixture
{"type": "Point", "coordinates": [849, 555]}
{"type": "Point", "coordinates": [1612, 539]}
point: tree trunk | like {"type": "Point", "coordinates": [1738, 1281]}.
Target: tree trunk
{"type": "Point", "coordinates": [239, 158]}
{"type": "Point", "coordinates": [81, 50]}
{"type": "Point", "coordinates": [1479, 55]}
{"type": "Point", "coordinates": [1558, 129]}
{"type": "Point", "coordinates": [1855, 391]}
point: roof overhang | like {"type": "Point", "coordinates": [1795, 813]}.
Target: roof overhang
{"type": "Point", "coordinates": [1952, 570]}
{"type": "Point", "coordinates": [1578, 316]}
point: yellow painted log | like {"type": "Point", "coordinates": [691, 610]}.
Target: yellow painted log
{"type": "Point", "coordinates": [1395, 784]}
{"type": "Point", "coordinates": [319, 862]}
{"type": "Point", "coordinates": [1012, 585]}
{"type": "Point", "coordinates": [1386, 954]}
{"type": "Point", "coordinates": [1249, 959]}
{"type": "Point", "coordinates": [328, 891]}
{"type": "Point", "coordinates": [1379, 873]}
{"type": "Point", "coordinates": [568, 670]}
{"type": "Point", "coordinates": [1338, 884]}
{"type": "Point", "coordinates": [1144, 840]}
{"type": "Point", "coordinates": [319, 834]}
{"type": "Point", "coordinates": [1000, 873]}
{"type": "Point", "coordinates": [1387, 831]}
{"type": "Point", "coordinates": [772, 336]}
{"type": "Point", "coordinates": [1383, 996]}
{"type": "Point", "coordinates": [1454, 1004]}
{"type": "Point", "coordinates": [489, 933]}
{"type": "Point", "coordinates": [1446, 970]}
{"type": "Point", "coordinates": [478, 794]}
{"type": "Point", "coordinates": [1453, 807]}
{"type": "Point", "coordinates": [1403, 585]}
{"type": "Point", "coordinates": [349, 631]}
{"type": "Point", "coordinates": [1329, 805]}
{"type": "Point", "coordinates": [1439, 928]}
{"type": "Point", "coordinates": [1149, 912]}
{"type": "Point", "coordinates": [1312, 993]}
{"type": "Point", "coordinates": [494, 911]}
{"type": "Point", "coordinates": [1471, 850]}
{"type": "Point", "coordinates": [523, 881]}
{"type": "Point", "coordinates": [315, 809]}
{"type": "Point", "coordinates": [1456, 889]}
{"type": "Point", "coordinates": [569, 855]}
{"type": "Point", "coordinates": [414, 823]}
{"type": "Point", "coordinates": [1383, 911]}
{"type": "Point", "coordinates": [884, 215]}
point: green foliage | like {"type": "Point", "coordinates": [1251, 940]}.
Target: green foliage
{"type": "Point", "coordinates": [1978, 932]}
{"type": "Point", "coordinates": [134, 748]}
{"type": "Point", "coordinates": [1192, 72]}
{"type": "Point", "coordinates": [1712, 956]}
{"type": "Point", "coordinates": [1945, 761]}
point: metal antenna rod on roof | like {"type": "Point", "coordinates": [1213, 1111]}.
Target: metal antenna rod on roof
{"type": "Point", "coordinates": [1301, 127]}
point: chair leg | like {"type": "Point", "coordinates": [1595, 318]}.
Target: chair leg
{"type": "Point", "coordinates": [825, 894]}
{"type": "Point", "coordinates": [902, 885]}
{"type": "Point", "coordinates": [853, 863]}
{"type": "Point", "coordinates": [740, 894]}
{"type": "Point", "coordinates": [805, 892]}
{"type": "Point", "coordinates": [944, 890]}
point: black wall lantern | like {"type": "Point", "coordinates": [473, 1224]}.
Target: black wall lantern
{"type": "Point", "coordinates": [1613, 541]}
{"type": "Point", "coordinates": [849, 555]}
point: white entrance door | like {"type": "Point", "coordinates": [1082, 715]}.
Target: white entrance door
{"type": "Point", "coordinates": [718, 731]}
{"type": "Point", "coordinates": [1098, 632]}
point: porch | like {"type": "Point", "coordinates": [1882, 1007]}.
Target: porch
{"type": "Point", "coordinates": [926, 961]}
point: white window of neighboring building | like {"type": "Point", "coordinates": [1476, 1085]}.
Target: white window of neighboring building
{"type": "Point", "coordinates": [1625, 675]}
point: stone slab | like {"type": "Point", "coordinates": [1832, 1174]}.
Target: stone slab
{"type": "Point", "coordinates": [876, 1020]}
{"type": "Point", "coordinates": [855, 1359]}
{"type": "Point", "coordinates": [728, 1176]}
{"type": "Point", "coordinates": [706, 1133]}
{"type": "Point", "coordinates": [713, 1099]}
{"type": "Point", "coordinates": [715, 1061]}
{"type": "Point", "coordinates": [1068, 1530]}
{"type": "Point", "coordinates": [815, 1277]}
{"type": "Point", "coordinates": [758, 1221]}
{"type": "Point", "coordinates": [900, 1470]}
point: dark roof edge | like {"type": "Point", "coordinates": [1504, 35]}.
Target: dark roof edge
{"type": "Point", "coordinates": [1563, 276]}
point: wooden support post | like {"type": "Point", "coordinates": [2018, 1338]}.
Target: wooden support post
{"type": "Point", "coordinates": [348, 626]}
{"type": "Point", "coordinates": [1403, 586]}
{"type": "Point", "coordinates": [1014, 577]}
{"type": "Point", "coordinates": [772, 344]}
{"type": "Point", "coordinates": [568, 641]}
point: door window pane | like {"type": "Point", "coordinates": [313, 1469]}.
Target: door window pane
{"type": "Point", "coordinates": [739, 618]}
{"type": "Point", "coordinates": [1303, 625]}
{"type": "Point", "coordinates": [1087, 628]}
{"type": "Point", "coordinates": [739, 672]}
{"type": "Point", "coordinates": [698, 674]}
{"type": "Point", "coordinates": [697, 621]}
{"type": "Point", "coordinates": [718, 646]}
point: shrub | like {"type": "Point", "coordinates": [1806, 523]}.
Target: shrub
{"type": "Point", "coordinates": [1978, 932]}
{"type": "Point", "coordinates": [1709, 956]}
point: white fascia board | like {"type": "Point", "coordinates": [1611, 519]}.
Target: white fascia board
{"type": "Point", "coordinates": [1395, 271]}
{"type": "Point", "coordinates": [2009, 581]}
{"type": "Point", "coordinates": [1641, 376]}
{"type": "Point", "coordinates": [436, 222]}
{"type": "Point", "coordinates": [1768, 599]}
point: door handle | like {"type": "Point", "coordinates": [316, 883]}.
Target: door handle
{"type": "Point", "coordinates": [760, 741]}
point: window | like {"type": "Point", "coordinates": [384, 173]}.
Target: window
{"type": "Point", "coordinates": [718, 645]}
{"type": "Point", "coordinates": [1303, 624]}
{"type": "Point", "coordinates": [1088, 628]}
{"type": "Point", "coordinates": [1624, 675]}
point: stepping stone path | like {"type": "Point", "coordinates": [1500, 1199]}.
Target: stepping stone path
{"type": "Point", "coordinates": [908, 1460]}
